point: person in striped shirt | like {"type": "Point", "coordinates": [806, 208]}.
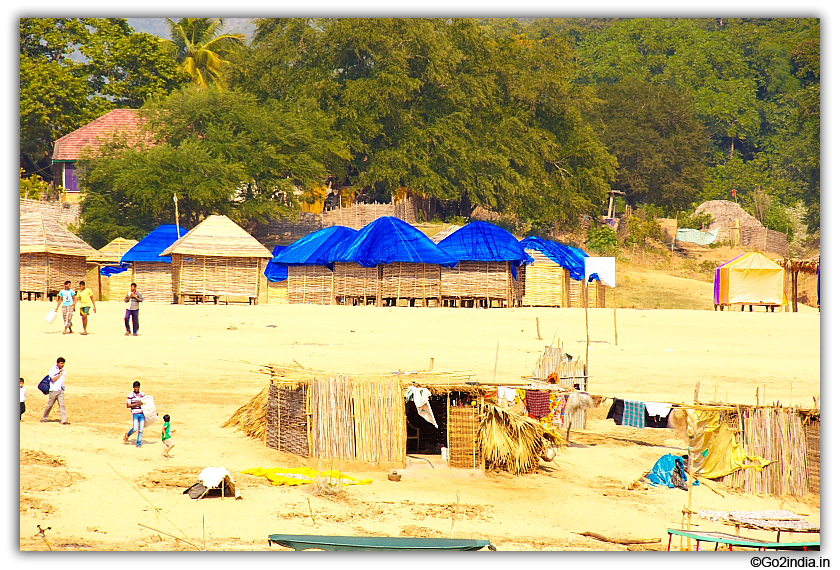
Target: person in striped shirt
{"type": "Point", "coordinates": [138, 420]}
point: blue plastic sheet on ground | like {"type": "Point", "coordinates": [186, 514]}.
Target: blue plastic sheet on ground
{"type": "Point", "coordinates": [566, 256]}
{"type": "Point", "coordinates": [389, 240]}
{"type": "Point", "coordinates": [113, 270]}
{"type": "Point", "coordinates": [151, 246]}
{"type": "Point", "coordinates": [483, 241]}
{"type": "Point", "coordinates": [275, 272]}
{"type": "Point", "coordinates": [317, 248]}
{"type": "Point", "coordinates": [663, 469]}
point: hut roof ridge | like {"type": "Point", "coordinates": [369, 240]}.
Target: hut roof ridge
{"type": "Point", "coordinates": [218, 236]}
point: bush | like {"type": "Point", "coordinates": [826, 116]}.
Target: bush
{"type": "Point", "coordinates": [602, 240]}
{"type": "Point", "coordinates": [694, 221]}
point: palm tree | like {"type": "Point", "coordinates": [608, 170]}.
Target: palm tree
{"type": "Point", "coordinates": [200, 48]}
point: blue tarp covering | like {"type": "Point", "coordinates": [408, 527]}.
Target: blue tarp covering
{"type": "Point", "coordinates": [483, 241]}
{"type": "Point", "coordinates": [151, 246]}
{"type": "Point", "coordinates": [318, 248]}
{"type": "Point", "coordinates": [389, 240]}
{"type": "Point", "coordinates": [566, 256]}
{"type": "Point", "coordinates": [662, 471]}
{"type": "Point", "coordinates": [113, 270]}
{"type": "Point", "coordinates": [275, 272]}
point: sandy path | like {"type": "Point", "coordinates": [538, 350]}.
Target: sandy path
{"type": "Point", "coordinates": [191, 361]}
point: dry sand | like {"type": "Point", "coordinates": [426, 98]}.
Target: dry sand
{"type": "Point", "coordinates": [200, 362]}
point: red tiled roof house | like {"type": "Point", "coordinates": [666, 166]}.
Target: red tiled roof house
{"type": "Point", "coordinates": [69, 148]}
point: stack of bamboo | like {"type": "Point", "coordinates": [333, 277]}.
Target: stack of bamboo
{"type": "Point", "coordinates": [310, 284]}
{"type": "Point", "coordinates": [546, 282]}
{"type": "Point", "coordinates": [411, 281]}
{"type": "Point", "coordinates": [354, 281]}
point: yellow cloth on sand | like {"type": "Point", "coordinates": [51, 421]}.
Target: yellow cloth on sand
{"type": "Point", "coordinates": [304, 476]}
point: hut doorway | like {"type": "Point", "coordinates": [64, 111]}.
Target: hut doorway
{"type": "Point", "coordinates": [423, 438]}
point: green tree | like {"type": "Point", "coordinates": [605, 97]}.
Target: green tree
{"type": "Point", "coordinates": [447, 107]}
{"type": "Point", "coordinates": [201, 49]}
{"type": "Point", "coordinates": [220, 152]}
{"type": "Point", "coordinates": [660, 144]}
{"type": "Point", "coordinates": [72, 70]}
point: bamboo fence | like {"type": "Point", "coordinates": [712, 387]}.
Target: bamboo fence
{"type": "Point", "coordinates": [117, 286]}
{"type": "Point", "coordinates": [292, 432]}
{"type": "Point", "coordinates": [310, 284]}
{"type": "Point", "coordinates": [778, 435]}
{"type": "Point", "coordinates": [379, 420]}
{"type": "Point", "coordinates": [332, 412]}
{"type": "Point", "coordinates": [812, 439]}
{"type": "Point", "coordinates": [46, 272]}
{"type": "Point", "coordinates": [411, 281]}
{"type": "Point", "coordinates": [354, 282]}
{"type": "Point", "coordinates": [546, 283]}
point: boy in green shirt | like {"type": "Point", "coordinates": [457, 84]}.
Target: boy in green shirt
{"type": "Point", "coordinates": [166, 436]}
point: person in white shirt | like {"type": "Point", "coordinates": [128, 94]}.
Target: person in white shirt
{"type": "Point", "coordinates": [57, 376]}
{"type": "Point", "coordinates": [22, 399]}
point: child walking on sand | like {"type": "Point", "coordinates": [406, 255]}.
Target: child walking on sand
{"type": "Point", "coordinates": [166, 436]}
{"type": "Point", "coordinates": [22, 399]}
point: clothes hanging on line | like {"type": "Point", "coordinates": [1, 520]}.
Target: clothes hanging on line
{"type": "Point", "coordinates": [537, 403]}
{"type": "Point", "coordinates": [636, 414]}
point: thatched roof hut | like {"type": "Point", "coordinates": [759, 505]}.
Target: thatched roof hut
{"type": "Point", "coordinates": [217, 258]}
{"type": "Point", "coordinates": [49, 255]}
{"type": "Point", "coordinates": [110, 256]}
{"type": "Point", "coordinates": [490, 259]}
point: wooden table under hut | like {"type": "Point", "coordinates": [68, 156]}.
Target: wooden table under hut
{"type": "Point", "coordinates": [49, 256]}
{"type": "Point", "coordinates": [218, 260]}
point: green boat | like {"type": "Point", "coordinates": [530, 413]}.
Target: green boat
{"type": "Point", "coordinates": [306, 542]}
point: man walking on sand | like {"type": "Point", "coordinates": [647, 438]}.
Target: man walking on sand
{"type": "Point", "coordinates": [67, 301]}
{"type": "Point", "coordinates": [138, 420]}
{"type": "Point", "coordinates": [57, 376]}
{"type": "Point", "coordinates": [133, 311]}
{"type": "Point", "coordinates": [85, 300]}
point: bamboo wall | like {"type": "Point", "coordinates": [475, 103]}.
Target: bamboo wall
{"type": "Point", "coordinates": [216, 276]}
{"type": "Point", "coordinates": [411, 281]}
{"type": "Point", "coordinates": [276, 293]}
{"type": "Point", "coordinates": [47, 272]}
{"type": "Point", "coordinates": [597, 294]}
{"type": "Point", "coordinates": [546, 283]}
{"type": "Point", "coordinates": [464, 452]}
{"type": "Point", "coordinates": [310, 284]}
{"type": "Point", "coordinates": [154, 281]}
{"type": "Point", "coordinates": [477, 280]}
{"type": "Point", "coordinates": [353, 281]}
{"type": "Point", "coordinates": [117, 286]}
{"type": "Point", "coordinates": [812, 444]}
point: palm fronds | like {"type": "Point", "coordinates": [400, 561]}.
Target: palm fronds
{"type": "Point", "coordinates": [514, 442]}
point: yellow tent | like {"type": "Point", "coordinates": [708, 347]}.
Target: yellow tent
{"type": "Point", "coordinates": [750, 279]}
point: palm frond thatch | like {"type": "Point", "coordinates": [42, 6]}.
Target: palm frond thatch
{"type": "Point", "coordinates": [513, 442]}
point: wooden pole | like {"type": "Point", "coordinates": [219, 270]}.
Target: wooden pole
{"type": "Point", "coordinates": [539, 336]}
{"type": "Point", "coordinates": [615, 314]}
{"type": "Point", "coordinates": [177, 222]}
{"type": "Point", "coordinates": [495, 366]}
{"type": "Point", "coordinates": [586, 314]}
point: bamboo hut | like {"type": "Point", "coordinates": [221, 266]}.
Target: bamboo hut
{"type": "Point", "coordinates": [110, 256]}
{"type": "Point", "coordinates": [391, 262]}
{"type": "Point", "coordinates": [793, 268]}
{"type": "Point", "coordinates": [151, 271]}
{"type": "Point", "coordinates": [49, 256]}
{"type": "Point", "coordinates": [310, 273]}
{"type": "Point", "coordinates": [217, 259]}
{"type": "Point", "coordinates": [490, 262]}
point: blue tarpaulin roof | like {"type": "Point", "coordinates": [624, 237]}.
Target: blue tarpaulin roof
{"type": "Point", "coordinates": [151, 246]}
{"type": "Point", "coordinates": [109, 270]}
{"type": "Point", "coordinates": [566, 256]}
{"type": "Point", "coordinates": [389, 240]}
{"type": "Point", "coordinates": [318, 248]}
{"type": "Point", "coordinates": [483, 241]}
{"type": "Point", "coordinates": [275, 272]}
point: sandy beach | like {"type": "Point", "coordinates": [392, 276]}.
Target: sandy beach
{"type": "Point", "coordinates": [201, 363]}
